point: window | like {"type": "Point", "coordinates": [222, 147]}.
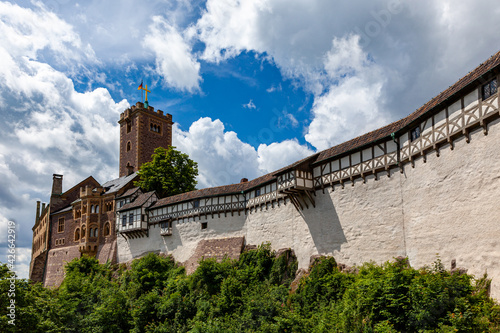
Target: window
{"type": "Point", "coordinates": [97, 209]}
{"type": "Point", "coordinates": [130, 218]}
{"type": "Point", "coordinates": [196, 203]}
{"type": "Point", "coordinates": [129, 145]}
{"type": "Point", "coordinates": [129, 126]}
{"type": "Point", "coordinates": [96, 232]}
{"type": "Point", "coordinates": [92, 209]}
{"type": "Point", "coordinates": [91, 232]}
{"type": "Point", "coordinates": [489, 89]}
{"type": "Point", "coordinates": [124, 220]}
{"type": "Point", "coordinates": [107, 230]}
{"type": "Point", "coordinates": [257, 192]}
{"type": "Point", "coordinates": [83, 232]}
{"type": "Point", "coordinates": [204, 225]}
{"type": "Point", "coordinates": [77, 234]}
{"type": "Point", "coordinates": [415, 133]}
{"type": "Point", "coordinates": [60, 226]}
{"type": "Point", "coordinates": [155, 128]}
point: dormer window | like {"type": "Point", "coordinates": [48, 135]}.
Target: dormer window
{"type": "Point", "coordinates": [415, 133]}
{"type": "Point", "coordinates": [489, 89]}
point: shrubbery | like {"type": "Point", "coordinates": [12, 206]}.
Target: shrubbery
{"type": "Point", "coordinates": [252, 294]}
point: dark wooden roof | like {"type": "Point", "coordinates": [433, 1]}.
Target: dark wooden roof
{"type": "Point", "coordinates": [138, 202]}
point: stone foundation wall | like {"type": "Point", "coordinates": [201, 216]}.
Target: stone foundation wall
{"type": "Point", "coordinates": [56, 260]}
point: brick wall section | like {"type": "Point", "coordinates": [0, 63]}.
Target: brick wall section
{"type": "Point", "coordinates": [143, 141]}
{"type": "Point", "coordinates": [215, 248]}
{"type": "Point", "coordinates": [150, 140]}
{"type": "Point", "coordinates": [128, 157]}
{"type": "Point", "coordinates": [67, 234]}
{"type": "Point", "coordinates": [56, 260]}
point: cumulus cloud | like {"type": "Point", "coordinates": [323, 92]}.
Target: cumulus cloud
{"type": "Point", "coordinates": [280, 154]}
{"type": "Point", "coordinates": [48, 126]}
{"type": "Point", "coordinates": [224, 159]}
{"type": "Point", "coordinates": [174, 60]}
{"type": "Point", "coordinates": [353, 101]}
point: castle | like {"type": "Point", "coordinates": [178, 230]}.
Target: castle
{"type": "Point", "coordinates": [421, 187]}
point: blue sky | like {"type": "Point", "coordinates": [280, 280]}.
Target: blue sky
{"type": "Point", "coordinates": [252, 85]}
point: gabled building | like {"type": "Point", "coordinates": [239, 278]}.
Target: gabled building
{"type": "Point", "coordinates": [82, 220]}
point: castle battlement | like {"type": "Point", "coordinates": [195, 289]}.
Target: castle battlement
{"type": "Point", "coordinates": [139, 106]}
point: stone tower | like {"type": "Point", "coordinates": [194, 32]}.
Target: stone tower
{"type": "Point", "coordinates": [142, 130]}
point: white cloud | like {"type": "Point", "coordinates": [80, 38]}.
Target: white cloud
{"type": "Point", "coordinates": [48, 126]}
{"type": "Point", "coordinates": [224, 159]}
{"type": "Point", "coordinates": [278, 155]}
{"type": "Point", "coordinates": [274, 88]}
{"type": "Point", "coordinates": [352, 104]}
{"type": "Point", "coordinates": [250, 105]}
{"type": "Point", "coordinates": [174, 61]}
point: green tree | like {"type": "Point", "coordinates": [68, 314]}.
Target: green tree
{"type": "Point", "coordinates": [169, 173]}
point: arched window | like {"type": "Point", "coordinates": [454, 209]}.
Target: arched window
{"type": "Point", "coordinates": [96, 232]}
{"type": "Point", "coordinates": [91, 232]}
{"type": "Point", "coordinates": [77, 234]}
{"type": "Point", "coordinates": [92, 209]}
{"type": "Point", "coordinates": [97, 209]}
{"type": "Point", "coordinates": [107, 230]}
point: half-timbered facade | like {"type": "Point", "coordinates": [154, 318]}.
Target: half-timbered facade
{"type": "Point", "coordinates": [370, 198]}
{"type": "Point", "coordinates": [422, 186]}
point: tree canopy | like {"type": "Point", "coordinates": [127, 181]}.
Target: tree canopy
{"type": "Point", "coordinates": [257, 293]}
{"type": "Point", "coordinates": [169, 173]}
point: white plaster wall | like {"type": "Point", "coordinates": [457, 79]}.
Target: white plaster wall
{"type": "Point", "coordinates": [451, 206]}
{"type": "Point", "coordinates": [447, 207]}
{"type": "Point", "coordinates": [184, 239]}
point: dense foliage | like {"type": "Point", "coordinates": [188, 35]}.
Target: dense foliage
{"type": "Point", "coordinates": [253, 294]}
{"type": "Point", "coordinates": [170, 172]}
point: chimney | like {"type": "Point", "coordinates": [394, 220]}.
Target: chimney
{"type": "Point", "coordinates": [244, 180]}
{"type": "Point", "coordinates": [57, 184]}
{"type": "Point", "coordinates": [130, 170]}
{"type": "Point", "coordinates": [37, 212]}
{"type": "Point", "coordinates": [43, 207]}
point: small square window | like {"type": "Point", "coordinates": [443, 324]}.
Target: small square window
{"type": "Point", "coordinates": [257, 192]}
{"type": "Point", "coordinates": [415, 133]}
{"type": "Point", "coordinates": [196, 203]}
{"type": "Point", "coordinates": [489, 89]}
{"type": "Point", "coordinates": [204, 225]}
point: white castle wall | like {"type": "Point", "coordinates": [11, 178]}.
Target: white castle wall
{"type": "Point", "coordinates": [446, 207]}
